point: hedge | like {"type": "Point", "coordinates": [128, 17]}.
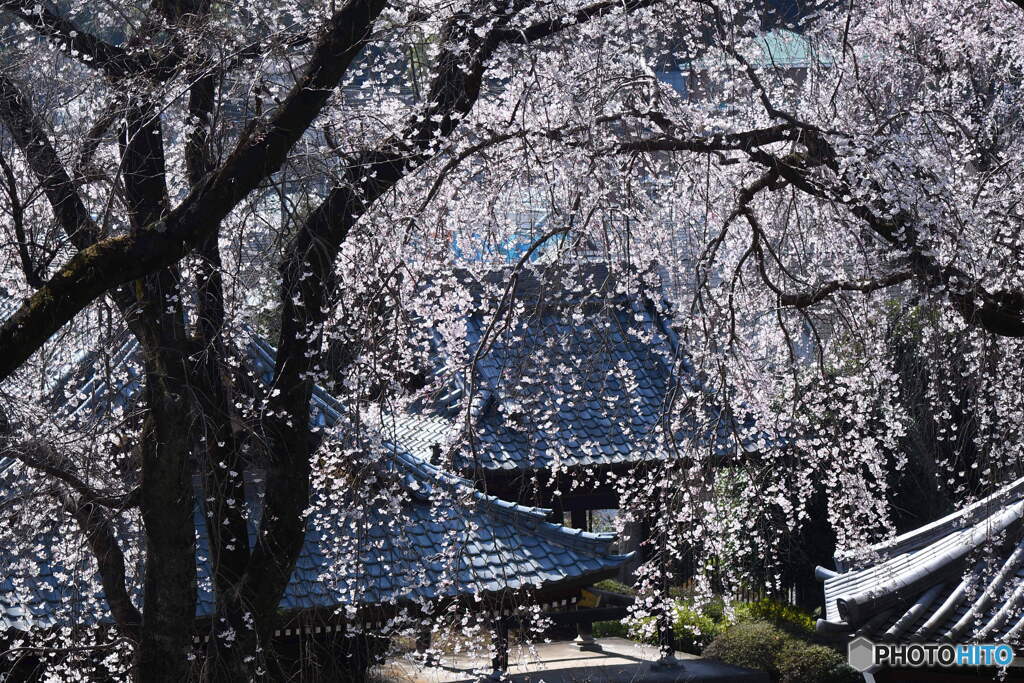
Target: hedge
{"type": "Point", "coordinates": [761, 645]}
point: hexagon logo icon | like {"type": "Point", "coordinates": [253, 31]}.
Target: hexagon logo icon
{"type": "Point", "coordinates": [861, 653]}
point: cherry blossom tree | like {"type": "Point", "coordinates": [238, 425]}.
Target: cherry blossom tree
{"type": "Point", "coordinates": [327, 172]}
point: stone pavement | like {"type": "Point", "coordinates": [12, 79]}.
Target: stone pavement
{"type": "Point", "coordinates": [563, 662]}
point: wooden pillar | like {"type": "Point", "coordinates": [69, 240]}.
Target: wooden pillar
{"type": "Point", "coordinates": [633, 535]}
{"type": "Point", "coordinates": [578, 518]}
{"type": "Point", "coordinates": [423, 642]}
{"type": "Point", "coordinates": [666, 637]}
{"type": "Point", "coordinates": [585, 637]}
{"type": "Point", "coordinates": [584, 630]}
{"type": "Point", "coordinates": [499, 665]}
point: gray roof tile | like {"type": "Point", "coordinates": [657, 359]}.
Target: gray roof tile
{"type": "Point", "coordinates": [503, 545]}
{"type": "Point", "coordinates": [612, 372]}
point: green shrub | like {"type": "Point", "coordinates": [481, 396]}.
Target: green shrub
{"type": "Point", "coordinates": [613, 586]}
{"type": "Point", "coordinates": [787, 659]}
{"type": "Point", "coordinates": [610, 629]}
{"type": "Point", "coordinates": [801, 662]}
{"type": "Point", "coordinates": [752, 644]}
{"type": "Point", "coordinates": [787, 617]}
{"type": "Point", "coordinates": [693, 629]}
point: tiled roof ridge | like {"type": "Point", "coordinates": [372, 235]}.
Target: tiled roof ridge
{"type": "Point", "coordinates": [533, 519]}
{"type": "Point", "coordinates": [921, 564]}
{"type": "Point", "coordinates": [94, 383]}
{"type": "Point", "coordinates": [534, 279]}
{"type": "Point", "coordinates": [639, 335]}
{"type": "Point", "coordinates": [927, 566]}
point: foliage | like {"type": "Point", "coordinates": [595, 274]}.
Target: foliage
{"type": "Point", "coordinates": [694, 625]}
{"type": "Point", "coordinates": [783, 615]}
{"type": "Point", "coordinates": [693, 628]}
{"type": "Point", "coordinates": [613, 586]}
{"type": "Point", "coordinates": [753, 644]}
{"type": "Point", "coordinates": [610, 629]}
{"type": "Point", "coordinates": [788, 659]}
{"type": "Point", "coordinates": [800, 662]}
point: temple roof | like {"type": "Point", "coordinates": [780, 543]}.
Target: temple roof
{"type": "Point", "coordinates": [440, 538]}
{"type": "Point", "coordinates": [576, 381]}
{"type": "Point", "coordinates": [960, 579]}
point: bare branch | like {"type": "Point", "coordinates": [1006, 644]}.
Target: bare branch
{"type": "Point", "coordinates": [26, 129]}
{"type": "Point", "coordinates": [32, 272]}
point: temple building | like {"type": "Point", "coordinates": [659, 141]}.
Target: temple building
{"type": "Point", "coordinates": [589, 385]}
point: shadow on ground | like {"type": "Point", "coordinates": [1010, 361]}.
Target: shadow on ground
{"type": "Point", "coordinates": [563, 662]}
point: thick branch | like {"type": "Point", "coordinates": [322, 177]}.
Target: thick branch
{"type": "Point", "coordinates": [1001, 313]}
{"type": "Point", "coordinates": [44, 458]}
{"type": "Point", "coordinates": [143, 167]}
{"type": "Point", "coordinates": [824, 291]}
{"type": "Point", "coordinates": [99, 533]}
{"type": "Point", "coordinates": [225, 485]}
{"type": "Point", "coordinates": [309, 262]}
{"type": "Point", "coordinates": [120, 259]}
{"type": "Point", "coordinates": [719, 142]}
{"type": "Point", "coordinates": [114, 61]}
{"type": "Point", "coordinates": [27, 130]}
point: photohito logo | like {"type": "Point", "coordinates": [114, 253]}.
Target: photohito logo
{"type": "Point", "coordinates": [865, 654]}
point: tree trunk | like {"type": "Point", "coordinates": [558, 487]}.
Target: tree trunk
{"type": "Point", "coordinates": [169, 602]}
